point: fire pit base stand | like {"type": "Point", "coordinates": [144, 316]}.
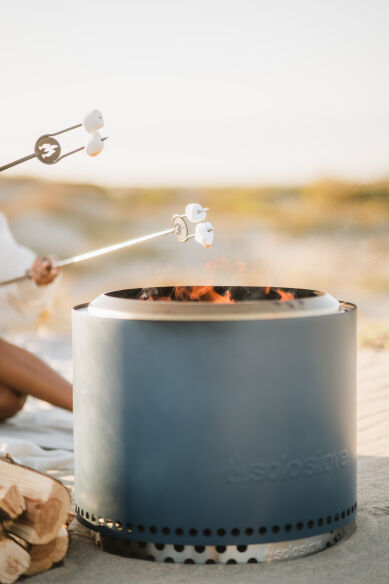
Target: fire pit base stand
{"type": "Point", "coordinates": [230, 554]}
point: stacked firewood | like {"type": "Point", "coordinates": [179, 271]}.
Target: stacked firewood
{"type": "Point", "coordinates": [34, 510]}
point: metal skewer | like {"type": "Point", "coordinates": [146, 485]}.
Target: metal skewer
{"type": "Point", "coordinates": [179, 228]}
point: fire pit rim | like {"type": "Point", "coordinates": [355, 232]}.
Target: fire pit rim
{"type": "Point", "coordinates": [112, 305]}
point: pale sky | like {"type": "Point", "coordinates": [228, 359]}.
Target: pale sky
{"type": "Point", "coordinates": [199, 92]}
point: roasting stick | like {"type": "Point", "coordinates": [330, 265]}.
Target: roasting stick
{"type": "Point", "coordinates": [48, 150]}
{"type": "Point", "coordinates": [194, 213]}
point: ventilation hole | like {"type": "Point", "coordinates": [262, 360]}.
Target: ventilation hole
{"type": "Point", "coordinates": [93, 517]}
{"type": "Point", "coordinates": [249, 531]}
{"type": "Point", "coordinates": [199, 548]}
{"type": "Point", "coordinates": [109, 523]}
{"type": "Point", "coordinates": [288, 527]}
{"type": "Point", "coordinates": [320, 521]}
{"type": "Point", "coordinates": [275, 529]}
{"type": "Point", "coordinates": [235, 532]}
{"type": "Point", "coordinates": [241, 548]}
{"type": "Point", "coordinates": [263, 530]}
{"type": "Point", "coordinates": [336, 517]}
{"type": "Point", "coordinates": [189, 561]}
{"type": "Point", "coordinates": [252, 561]}
{"type": "Point", "coordinates": [165, 530]}
{"type": "Point", "coordinates": [210, 562]}
{"type": "Point", "coordinates": [179, 548]}
{"type": "Point", "coordinates": [179, 531]}
{"type": "Point", "coordinates": [118, 525]}
{"type": "Point", "coordinates": [221, 532]}
{"type": "Point", "coordinates": [300, 525]}
{"type": "Point", "coordinates": [343, 515]}
{"type": "Point", "coordinates": [153, 529]}
{"type": "Point", "coordinates": [328, 544]}
{"type": "Point", "coordinates": [348, 511]}
{"type": "Point", "coordinates": [169, 560]}
{"type": "Point", "coordinates": [310, 524]}
{"type": "Point", "coordinates": [150, 558]}
{"type": "Point", "coordinates": [142, 544]}
{"type": "Point", "coordinates": [329, 519]}
{"type": "Point", "coordinates": [160, 546]}
{"type": "Point", "coordinates": [221, 549]}
{"type": "Point", "coordinates": [232, 561]}
{"type": "Point", "coordinates": [128, 527]}
{"type": "Point", "coordinates": [207, 532]}
{"type": "Point", "coordinates": [101, 520]}
{"type": "Point", "coordinates": [193, 532]}
{"type": "Point", "coordinates": [82, 512]}
{"type": "Point", "coordinates": [141, 528]}
{"type": "Point", "coordinates": [87, 515]}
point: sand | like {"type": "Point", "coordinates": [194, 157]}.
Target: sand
{"type": "Point", "coordinates": [361, 557]}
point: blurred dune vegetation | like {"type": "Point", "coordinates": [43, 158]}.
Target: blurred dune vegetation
{"type": "Point", "coordinates": [331, 235]}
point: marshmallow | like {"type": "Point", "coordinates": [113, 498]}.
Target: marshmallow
{"type": "Point", "coordinates": [93, 121]}
{"type": "Point", "coordinates": [94, 145]}
{"type": "Point", "coordinates": [204, 234]}
{"type": "Point", "coordinates": [195, 213]}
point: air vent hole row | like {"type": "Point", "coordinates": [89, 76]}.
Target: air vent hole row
{"type": "Point", "coordinates": [221, 532]}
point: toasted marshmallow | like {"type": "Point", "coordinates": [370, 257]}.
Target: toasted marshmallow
{"type": "Point", "coordinates": [195, 212]}
{"type": "Point", "coordinates": [93, 121]}
{"type": "Point", "coordinates": [94, 145]}
{"type": "Point", "coordinates": [204, 234]}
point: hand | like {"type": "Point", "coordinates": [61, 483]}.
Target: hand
{"type": "Point", "coordinates": [43, 272]}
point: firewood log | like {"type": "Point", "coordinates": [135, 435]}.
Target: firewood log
{"type": "Point", "coordinates": [47, 502]}
{"type": "Point", "coordinates": [44, 556]}
{"type": "Point", "coordinates": [11, 503]}
{"type": "Point", "coordinates": [14, 560]}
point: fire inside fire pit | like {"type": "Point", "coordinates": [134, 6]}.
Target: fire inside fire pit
{"type": "Point", "coordinates": [230, 412]}
{"type": "Point", "coordinates": [218, 294]}
{"type": "Point", "coordinates": [221, 294]}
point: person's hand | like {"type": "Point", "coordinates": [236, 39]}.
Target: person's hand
{"type": "Point", "coordinates": [43, 272]}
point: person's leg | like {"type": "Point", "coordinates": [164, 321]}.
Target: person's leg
{"type": "Point", "coordinates": [24, 373]}
{"type": "Point", "coordinates": [11, 402]}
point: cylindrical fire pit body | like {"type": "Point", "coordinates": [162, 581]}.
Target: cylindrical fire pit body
{"type": "Point", "coordinates": [226, 426]}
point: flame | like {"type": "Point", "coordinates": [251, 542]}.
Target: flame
{"type": "Point", "coordinates": [203, 293]}
{"type": "Point", "coordinates": [285, 295]}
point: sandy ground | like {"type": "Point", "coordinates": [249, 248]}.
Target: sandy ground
{"type": "Point", "coordinates": [360, 557]}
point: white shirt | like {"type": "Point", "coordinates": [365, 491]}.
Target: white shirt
{"type": "Point", "coordinates": [23, 301]}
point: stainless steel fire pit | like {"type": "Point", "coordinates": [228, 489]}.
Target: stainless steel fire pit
{"type": "Point", "coordinates": [215, 432]}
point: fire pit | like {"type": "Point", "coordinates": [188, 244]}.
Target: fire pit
{"type": "Point", "coordinates": [215, 424]}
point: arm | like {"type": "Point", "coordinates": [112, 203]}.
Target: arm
{"type": "Point", "coordinates": [28, 297]}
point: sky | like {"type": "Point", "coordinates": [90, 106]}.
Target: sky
{"type": "Point", "coordinates": [199, 92]}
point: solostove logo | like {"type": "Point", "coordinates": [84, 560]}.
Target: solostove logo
{"type": "Point", "coordinates": [285, 468]}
